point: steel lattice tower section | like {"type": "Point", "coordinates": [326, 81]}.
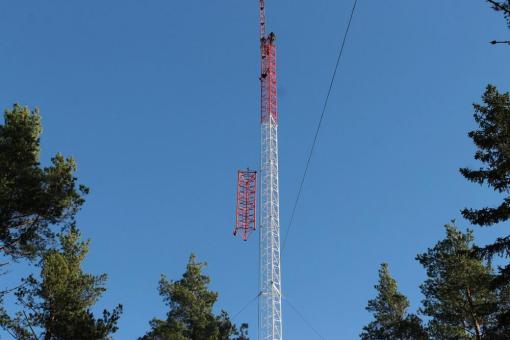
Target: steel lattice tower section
{"type": "Point", "coordinates": [270, 300]}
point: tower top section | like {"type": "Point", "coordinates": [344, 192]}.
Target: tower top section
{"type": "Point", "coordinates": [262, 19]}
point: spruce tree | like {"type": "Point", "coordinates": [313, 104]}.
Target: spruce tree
{"type": "Point", "coordinates": [392, 321]}
{"type": "Point", "coordinates": [57, 307]}
{"type": "Point", "coordinates": [492, 140]}
{"type": "Point", "coordinates": [191, 310]}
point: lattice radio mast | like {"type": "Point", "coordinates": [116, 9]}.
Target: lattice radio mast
{"type": "Point", "coordinates": [270, 273]}
{"type": "Point", "coordinates": [270, 300]}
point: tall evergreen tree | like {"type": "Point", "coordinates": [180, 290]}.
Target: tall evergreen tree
{"type": "Point", "coordinates": [191, 310]}
{"type": "Point", "coordinates": [392, 321]}
{"type": "Point", "coordinates": [58, 306]}
{"type": "Point", "coordinates": [32, 198]}
{"type": "Point", "coordinates": [458, 296]}
{"type": "Point", "coordinates": [492, 139]}
{"type": "Point", "coordinates": [493, 142]}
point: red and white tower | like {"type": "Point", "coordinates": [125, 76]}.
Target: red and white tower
{"type": "Point", "coordinates": [270, 270]}
{"type": "Point", "coordinates": [270, 298]}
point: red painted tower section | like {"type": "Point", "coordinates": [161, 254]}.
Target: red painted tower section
{"type": "Point", "coordinates": [246, 203]}
{"type": "Point", "coordinates": [268, 80]}
{"type": "Point", "coordinates": [268, 71]}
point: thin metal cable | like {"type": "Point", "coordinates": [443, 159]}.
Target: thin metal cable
{"type": "Point", "coordinates": [320, 123]}
{"type": "Point", "coordinates": [249, 303]}
{"type": "Point", "coordinates": [214, 245]}
{"type": "Point", "coordinates": [302, 317]}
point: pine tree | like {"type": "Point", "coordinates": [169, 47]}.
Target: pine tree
{"type": "Point", "coordinates": [389, 308]}
{"type": "Point", "coordinates": [57, 307]}
{"type": "Point", "coordinates": [458, 297]}
{"type": "Point", "coordinates": [32, 198]}
{"type": "Point", "coordinates": [191, 310]}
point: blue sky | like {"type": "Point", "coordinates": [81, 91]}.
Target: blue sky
{"type": "Point", "coordinates": [158, 101]}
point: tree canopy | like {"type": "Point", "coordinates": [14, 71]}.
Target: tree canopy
{"type": "Point", "coordinates": [57, 307]}
{"type": "Point", "coordinates": [32, 198]}
{"type": "Point", "coordinates": [459, 299]}
{"type": "Point", "coordinates": [392, 321]}
{"type": "Point", "coordinates": [191, 310]}
{"type": "Point", "coordinates": [492, 140]}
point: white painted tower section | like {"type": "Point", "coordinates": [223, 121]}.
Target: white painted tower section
{"type": "Point", "coordinates": [270, 273]}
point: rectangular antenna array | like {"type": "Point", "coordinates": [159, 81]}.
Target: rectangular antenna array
{"type": "Point", "coordinates": [246, 203]}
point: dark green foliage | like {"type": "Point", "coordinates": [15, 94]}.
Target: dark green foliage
{"type": "Point", "coordinates": [389, 308]}
{"type": "Point", "coordinates": [493, 142]}
{"type": "Point", "coordinates": [32, 198]}
{"type": "Point", "coordinates": [243, 332]}
{"type": "Point", "coordinates": [502, 6]}
{"type": "Point", "coordinates": [459, 298]}
{"type": "Point", "coordinates": [58, 306]}
{"type": "Point", "coordinates": [191, 310]}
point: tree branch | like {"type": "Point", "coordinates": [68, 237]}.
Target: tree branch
{"type": "Point", "coordinates": [13, 336]}
{"type": "Point", "coordinates": [30, 307]}
{"type": "Point", "coordinates": [499, 6]}
{"type": "Point", "coordinates": [11, 289]}
{"type": "Point", "coordinates": [29, 325]}
{"type": "Point", "coordinates": [6, 247]}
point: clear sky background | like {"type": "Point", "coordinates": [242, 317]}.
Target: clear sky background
{"type": "Point", "coordinates": [159, 102]}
